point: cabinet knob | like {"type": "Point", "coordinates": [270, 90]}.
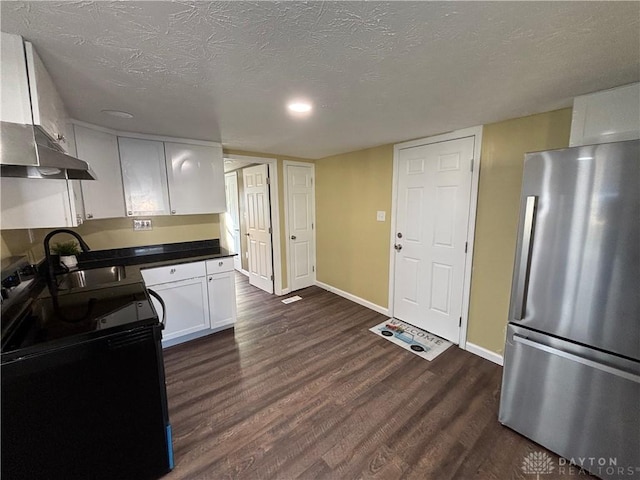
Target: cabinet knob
{"type": "Point", "coordinates": [173, 212]}
{"type": "Point", "coordinates": [172, 271]}
{"type": "Point", "coordinates": [89, 215]}
{"type": "Point", "coordinates": [129, 213]}
{"type": "Point", "coordinates": [61, 138]}
{"type": "Point", "coordinates": [220, 264]}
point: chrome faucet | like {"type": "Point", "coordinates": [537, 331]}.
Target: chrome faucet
{"type": "Point", "coordinates": [51, 276]}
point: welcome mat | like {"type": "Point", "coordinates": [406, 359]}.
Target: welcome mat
{"type": "Point", "coordinates": [414, 339]}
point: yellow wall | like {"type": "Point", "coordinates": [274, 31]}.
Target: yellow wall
{"type": "Point", "coordinates": [280, 159]}
{"type": "Point", "coordinates": [117, 233]}
{"type": "Point", "coordinates": [352, 247]}
{"type": "Point", "coordinates": [503, 147]}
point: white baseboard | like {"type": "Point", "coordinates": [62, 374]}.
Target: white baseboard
{"type": "Point", "coordinates": [244, 272]}
{"type": "Point", "coordinates": [353, 298]}
{"type": "Point", "coordinates": [484, 353]}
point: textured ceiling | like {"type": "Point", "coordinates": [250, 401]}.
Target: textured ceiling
{"type": "Point", "coordinates": [377, 72]}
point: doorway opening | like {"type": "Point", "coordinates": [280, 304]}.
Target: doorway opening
{"type": "Point", "coordinates": [249, 227]}
{"type": "Point", "coordinates": [435, 190]}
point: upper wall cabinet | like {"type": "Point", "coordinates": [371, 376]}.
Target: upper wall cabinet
{"type": "Point", "coordinates": [144, 177]}
{"type": "Point", "coordinates": [103, 198]}
{"type": "Point", "coordinates": [14, 96]}
{"type": "Point", "coordinates": [46, 105]}
{"type": "Point", "coordinates": [162, 178]}
{"type": "Point", "coordinates": [607, 116]}
{"type": "Point", "coordinates": [196, 178]}
{"type": "Point", "coordinates": [28, 203]}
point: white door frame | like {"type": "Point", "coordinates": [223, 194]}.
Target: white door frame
{"type": "Point", "coordinates": [285, 164]}
{"type": "Point", "coordinates": [275, 214]}
{"type": "Point", "coordinates": [471, 227]}
{"type": "Point", "coordinates": [237, 261]}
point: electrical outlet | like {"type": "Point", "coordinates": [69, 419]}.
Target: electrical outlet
{"type": "Point", "coordinates": [142, 224]}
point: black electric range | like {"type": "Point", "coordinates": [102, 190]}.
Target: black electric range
{"type": "Point", "coordinates": [83, 387]}
{"type": "Point", "coordinates": [51, 321]}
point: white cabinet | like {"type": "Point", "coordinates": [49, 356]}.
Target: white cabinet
{"type": "Point", "coordinates": [14, 91]}
{"type": "Point", "coordinates": [196, 178]}
{"type": "Point", "coordinates": [162, 178]}
{"type": "Point", "coordinates": [607, 116]}
{"type": "Point", "coordinates": [183, 289]}
{"type": "Point", "coordinates": [46, 105]}
{"type": "Point", "coordinates": [28, 203]}
{"type": "Point", "coordinates": [222, 292]}
{"type": "Point", "coordinates": [144, 177]}
{"type": "Point", "coordinates": [103, 197]}
{"type": "Point", "coordinates": [199, 299]}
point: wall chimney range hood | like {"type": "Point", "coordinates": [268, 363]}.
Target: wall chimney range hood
{"type": "Point", "coordinates": [27, 152]}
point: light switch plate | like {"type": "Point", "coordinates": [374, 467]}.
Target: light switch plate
{"type": "Point", "coordinates": [381, 215]}
{"type": "Point", "coordinates": [142, 225]}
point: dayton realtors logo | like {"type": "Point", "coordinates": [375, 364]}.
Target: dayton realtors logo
{"type": "Point", "coordinates": [541, 463]}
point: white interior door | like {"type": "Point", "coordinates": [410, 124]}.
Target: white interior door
{"type": "Point", "coordinates": [232, 217]}
{"type": "Point", "coordinates": [300, 221]}
{"type": "Point", "coordinates": [256, 191]}
{"type": "Point", "coordinates": [434, 191]}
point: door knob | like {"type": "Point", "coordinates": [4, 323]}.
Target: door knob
{"type": "Point", "coordinates": [398, 247]}
{"type": "Point", "coordinates": [293, 237]}
{"type": "Point", "coordinates": [247, 234]}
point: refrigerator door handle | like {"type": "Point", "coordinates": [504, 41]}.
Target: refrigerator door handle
{"type": "Point", "coordinates": [575, 358]}
{"type": "Point", "coordinates": [525, 257]}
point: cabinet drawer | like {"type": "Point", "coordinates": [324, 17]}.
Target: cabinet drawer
{"type": "Point", "coordinates": [218, 265]}
{"type": "Point", "coordinates": [172, 273]}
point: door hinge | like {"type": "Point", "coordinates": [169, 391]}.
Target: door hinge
{"type": "Point", "coordinates": [312, 226]}
{"type": "Point", "coordinates": [466, 245]}
{"type": "Point", "coordinates": [271, 231]}
{"type": "Point", "coordinates": [472, 164]}
{"type": "Point", "coordinates": [313, 268]}
{"type": "Point", "coordinates": [268, 181]}
{"type": "Point", "coordinates": [272, 278]}
{"type": "Point", "coordinates": [460, 322]}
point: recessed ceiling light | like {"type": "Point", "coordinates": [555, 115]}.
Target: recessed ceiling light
{"type": "Point", "coordinates": [117, 113]}
{"type": "Point", "coordinates": [299, 107]}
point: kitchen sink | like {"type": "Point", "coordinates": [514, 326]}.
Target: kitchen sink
{"type": "Point", "coordinates": [91, 278]}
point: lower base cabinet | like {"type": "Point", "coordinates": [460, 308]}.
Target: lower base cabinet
{"type": "Point", "coordinates": [221, 282]}
{"type": "Point", "coordinates": [187, 307]}
{"type": "Point", "coordinates": [200, 297]}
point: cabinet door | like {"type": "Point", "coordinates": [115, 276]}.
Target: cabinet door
{"type": "Point", "coordinates": [222, 299]}
{"type": "Point", "coordinates": [196, 178]}
{"type": "Point", "coordinates": [186, 303]}
{"type": "Point", "coordinates": [607, 116]}
{"type": "Point", "coordinates": [14, 97]}
{"type": "Point", "coordinates": [144, 177]}
{"type": "Point", "coordinates": [28, 203]}
{"type": "Point", "coordinates": [104, 197]}
{"type": "Point", "coordinates": [46, 104]}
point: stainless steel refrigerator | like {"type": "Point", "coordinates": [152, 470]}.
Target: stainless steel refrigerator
{"type": "Point", "coordinates": [571, 378]}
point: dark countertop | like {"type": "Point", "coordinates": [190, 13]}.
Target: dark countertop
{"type": "Point", "coordinates": [134, 259]}
{"type": "Point", "coordinates": [161, 253]}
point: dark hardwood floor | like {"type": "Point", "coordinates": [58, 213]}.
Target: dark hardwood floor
{"type": "Point", "coordinates": [305, 391]}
